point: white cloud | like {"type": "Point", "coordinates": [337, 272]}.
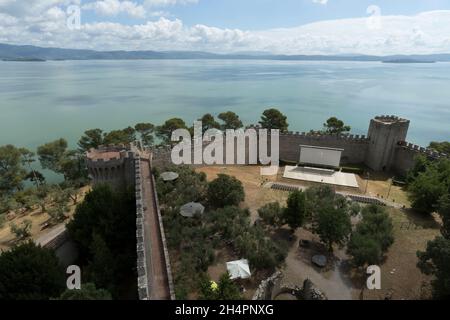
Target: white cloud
{"type": "Point", "coordinates": [324, 2]}
{"type": "Point", "coordinates": [166, 3]}
{"type": "Point", "coordinates": [428, 32]}
{"type": "Point", "coordinates": [115, 7]}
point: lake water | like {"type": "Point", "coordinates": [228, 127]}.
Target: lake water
{"type": "Point", "coordinates": [42, 101]}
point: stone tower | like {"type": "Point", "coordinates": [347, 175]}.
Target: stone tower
{"type": "Point", "coordinates": [385, 133]}
{"type": "Point", "coordinates": [112, 165]}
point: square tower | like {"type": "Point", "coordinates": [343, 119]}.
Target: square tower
{"type": "Point", "coordinates": [385, 132]}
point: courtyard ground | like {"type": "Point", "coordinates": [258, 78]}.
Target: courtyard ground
{"type": "Point", "coordinates": [401, 279]}
{"type": "Point", "coordinates": [39, 223]}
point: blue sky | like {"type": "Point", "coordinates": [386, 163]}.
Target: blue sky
{"type": "Point", "coordinates": [268, 14]}
{"type": "Point", "coordinates": [310, 26]}
{"type": "Point", "coordinates": [265, 14]}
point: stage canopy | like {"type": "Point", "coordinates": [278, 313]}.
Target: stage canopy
{"type": "Point", "coordinates": [239, 269]}
{"type": "Point", "coordinates": [319, 156]}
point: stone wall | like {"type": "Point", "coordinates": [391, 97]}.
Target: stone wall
{"type": "Point", "coordinates": [164, 241]}
{"type": "Point", "coordinates": [143, 289]}
{"type": "Point", "coordinates": [384, 149]}
{"type": "Point", "coordinates": [406, 153]}
{"type": "Point", "coordinates": [116, 171]}
{"type": "Point", "coordinates": [355, 146]}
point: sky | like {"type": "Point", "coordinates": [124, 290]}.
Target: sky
{"type": "Point", "coordinates": [225, 26]}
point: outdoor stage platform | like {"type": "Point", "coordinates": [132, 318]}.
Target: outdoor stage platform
{"type": "Point", "coordinates": [326, 176]}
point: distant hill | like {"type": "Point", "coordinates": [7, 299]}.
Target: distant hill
{"type": "Point", "coordinates": [407, 61]}
{"type": "Point", "coordinates": [33, 53]}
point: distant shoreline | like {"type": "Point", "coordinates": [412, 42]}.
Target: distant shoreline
{"type": "Point", "coordinates": [33, 53]}
{"type": "Point", "coordinates": [407, 61]}
{"type": "Point", "coordinates": [24, 60]}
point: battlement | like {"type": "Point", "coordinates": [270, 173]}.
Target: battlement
{"type": "Point", "coordinates": [386, 119]}
{"type": "Point", "coordinates": [326, 137]}
{"type": "Point", "coordinates": [421, 150]}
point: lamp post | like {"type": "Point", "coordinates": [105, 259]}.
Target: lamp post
{"type": "Point", "coordinates": [390, 187]}
{"type": "Point", "coordinates": [367, 182]}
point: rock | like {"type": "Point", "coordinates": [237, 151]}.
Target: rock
{"type": "Point", "coordinates": [319, 260]}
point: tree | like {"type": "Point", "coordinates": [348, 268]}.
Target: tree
{"type": "Point", "coordinates": [36, 177]}
{"type": "Point", "coordinates": [26, 199]}
{"type": "Point", "coordinates": [12, 171]}
{"type": "Point", "coordinates": [88, 291]}
{"type": "Point", "coordinates": [333, 226]}
{"type": "Point", "coordinates": [436, 261]}
{"type": "Point", "coordinates": [59, 209]}
{"type": "Point", "coordinates": [295, 212]}
{"type": "Point", "coordinates": [22, 231]}
{"type": "Point", "coordinates": [377, 223]}
{"type": "Point", "coordinates": [274, 119]}
{"type": "Point", "coordinates": [230, 121]}
{"type": "Point", "coordinates": [29, 272]}
{"type": "Point", "coordinates": [444, 212]}
{"type": "Point", "coordinates": [429, 186]}
{"type": "Point", "coordinates": [443, 147]}
{"type": "Point", "coordinates": [51, 154]}
{"type": "Point", "coordinates": [8, 203]}
{"type": "Point", "coordinates": [225, 289]}
{"type": "Point", "coordinates": [364, 249]}
{"type": "Point", "coordinates": [208, 122]}
{"type": "Point", "coordinates": [101, 269]}
{"type": "Point", "coordinates": [319, 197]}
{"type": "Point", "coordinates": [190, 186]}
{"type": "Point", "coordinates": [146, 131]}
{"type": "Point", "coordinates": [70, 163]}
{"type": "Point", "coordinates": [91, 139]}
{"type": "Point", "coordinates": [104, 228]}
{"type": "Point", "coordinates": [271, 214]}
{"type": "Point", "coordinates": [421, 164]}
{"type": "Point", "coordinates": [116, 137]}
{"type": "Point", "coordinates": [372, 237]}
{"type": "Point", "coordinates": [164, 132]}
{"type": "Point", "coordinates": [42, 193]}
{"type": "Point", "coordinates": [335, 126]}
{"type": "Point", "coordinates": [224, 191]}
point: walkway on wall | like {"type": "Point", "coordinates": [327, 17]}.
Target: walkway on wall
{"type": "Point", "coordinates": [158, 280]}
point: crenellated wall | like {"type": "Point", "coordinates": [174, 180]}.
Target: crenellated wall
{"type": "Point", "coordinates": [405, 154]}
{"type": "Point", "coordinates": [383, 149]}
{"type": "Point", "coordinates": [355, 146]}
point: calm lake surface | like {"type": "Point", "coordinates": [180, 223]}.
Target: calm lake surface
{"type": "Point", "coordinates": [42, 101]}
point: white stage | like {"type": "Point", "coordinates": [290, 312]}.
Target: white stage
{"type": "Point", "coordinates": [321, 175]}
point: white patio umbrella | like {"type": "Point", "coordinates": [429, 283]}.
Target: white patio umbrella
{"type": "Point", "coordinates": [169, 176]}
{"type": "Point", "coordinates": [192, 208]}
{"type": "Point", "coordinates": [239, 269]}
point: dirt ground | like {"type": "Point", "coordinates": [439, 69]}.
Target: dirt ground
{"type": "Point", "coordinates": [255, 195]}
{"type": "Point", "coordinates": [401, 279]}
{"type": "Point", "coordinates": [39, 220]}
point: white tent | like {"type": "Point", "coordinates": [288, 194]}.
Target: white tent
{"type": "Point", "coordinates": [239, 269]}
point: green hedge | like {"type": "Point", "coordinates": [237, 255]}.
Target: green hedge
{"type": "Point", "coordinates": [354, 170]}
